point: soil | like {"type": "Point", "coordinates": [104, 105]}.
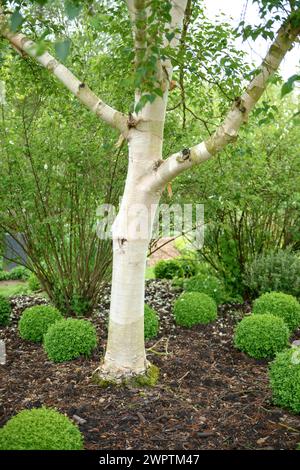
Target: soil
{"type": "Point", "coordinates": [210, 396]}
{"type": "Point", "coordinates": [11, 283]}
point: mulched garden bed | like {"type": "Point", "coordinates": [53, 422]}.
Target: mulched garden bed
{"type": "Point", "coordinates": [210, 396]}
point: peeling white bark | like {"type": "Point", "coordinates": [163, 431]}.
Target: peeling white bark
{"type": "Point", "coordinates": [125, 352]}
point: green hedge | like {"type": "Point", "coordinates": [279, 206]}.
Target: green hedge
{"type": "Point", "coordinates": [5, 311]}
{"type": "Point", "coordinates": [261, 336]}
{"type": "Point", "coordinates": [281, 305]}
{"type": "Point", "coordinates": [151, 323]}
{"type": "Point", "coordinates": [175, 268]}
{"type": "Point", "coordinates": [40, 429]}
{"type": "Point", "coordinates": [35, 321]}
{"type": "Point", "coordinates": [207, 284]}
{"type": "Point", "coordinates": [284, 376]}
{"type": "Point", "coordinates": [193, 308]}
{"type": "Point", "coordinates": [68, 339]}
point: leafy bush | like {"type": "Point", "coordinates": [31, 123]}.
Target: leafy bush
{"type": "Point", "coordinates": [151, 322]}
{"type": "Point", "coordinates": [207, 284]}
{"type": "Point", "coordinates": [285, 379]}
{"type": "Point", "coordinates": [189, 266]}
{"type": "Point", "coordinates": [281, 305]}
{"type": "Point", "coordinates": [35, 322]}
{"type": "Point", "coordinates": [261, 336]}
{"type": "Point", "coordinates": [68, 339]}
{"type": "Point", "coordinates": [193, 308]}
{"type": "Point", "coordinates": [18, 273]}
{"type": "Point", "coordinates": [40, 429]}
{"type": "Point", "coordinates": [183, 267]}
{"type": "Point", "coordinates": [276, 271]}
{"type": "Point", "coordinates": [5, 311]}
{"type": "Point", "coordinates": [33, 283]}
{"type": "Point", "coordinates": [168, 269]}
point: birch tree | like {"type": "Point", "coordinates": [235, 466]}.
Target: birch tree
{"type": "Point", "coordinates": [158, 30]}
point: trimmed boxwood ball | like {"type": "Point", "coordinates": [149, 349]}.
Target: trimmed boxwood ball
{"type": "Point", "coordinates": [151, 322]}
{"type": "Point", "coordinates": [68, 339]}
{"type": "Point", "coordinates": [206, 284]}
{"type": "Point", "coordinates": [5, 311]}
{"type": "Point", "coordinates": [261, 336]}
{"type": "Point", "coordinates": [40, 429]}
{"type": "Point", "coordinates": [284, 377]}
{"type": "Point", "coordinates": [193, 308]}
{"type": "Point", "coordinates": [281, 305]}
{"type": "Point", "coordinates": [35, 322]}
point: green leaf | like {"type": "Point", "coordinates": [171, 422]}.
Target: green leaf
{"type": "Point", "coordinates": [170, 36]}
{"type": "Point", "coordinates": [16, 20]}
{"type": "Point", "coordinates": [62, 49]}
{"type": "Point", "coordinates": [288, 86]}
{"type": "Point", "coordinates": [72, 9]}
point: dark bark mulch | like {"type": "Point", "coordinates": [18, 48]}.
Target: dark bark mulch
{"type": "Point", "coordinates": [210, 396]}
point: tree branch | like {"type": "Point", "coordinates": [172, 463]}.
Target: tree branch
{"type": "Point", "coordinates": [227, 132]}
{"type": "Point", "coordinates": [85, 95]}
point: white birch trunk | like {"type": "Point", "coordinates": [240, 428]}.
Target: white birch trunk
{"type": "Point", "coordinates": [125, 353]}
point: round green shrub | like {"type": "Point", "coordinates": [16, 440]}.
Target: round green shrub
{"type": "Point", "coordinates": [40, 429]}
{"type": "Point", "coordinates": [193, 308]}
{"type": "Point", "coordinates": [281, 305]}
{"type": "Point", "coordinates": [33, 283]}
{"type": "Point", "coordinates": [151, 323]}
{"type": "Point", "coordinates": [168, 269]}
{"type": "Point", "coordinates": [35, 321]}
{"type": "Point", "coordinates": [207, 284]}
{"type": "Point", "coordinates": [5, 311]}
{"type": "Point", "coordinates": [261, 336]}
{"type": "Point", "coordinates": [68, 339]}
{"type": "Point", "coordinates": [285, 379]}
{"type": "Point", "coordinates": [276, 271]}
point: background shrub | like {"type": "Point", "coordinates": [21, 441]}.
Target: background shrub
{"type": "Point", "coordinates": [285, 379]}
{"type": "Point", "coordinates": [18, 273]}
{"type": "Point", "coordinates": [261, 336]}
{"type": "Point", "coordinates": [189, 266]}
{"type": "Point", "coordinates": [168, 269]}
{"type": "Point", "coordinates": [192, 308]}
{"type": "Point", "coordinates": [68, 339]}
{"type": "Point", "coordinates": [207, 284]}
{"type": "Point", "coordinates": [151, 322]}
{"type": "Point", "coordinates": [33, 283]}
{"type": "Point", "coordinates": [281, 305]}
{"type": "Point", "coordinates": [181, 268]}
{"type": "Point", "coordinates": [35, 321]}
{"type": "Point", "coordinates": [277, 271]}
{"type": "Point", "coordinates": [40, 429]}
{"type": "Point", "coordinates": [5, 311]}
